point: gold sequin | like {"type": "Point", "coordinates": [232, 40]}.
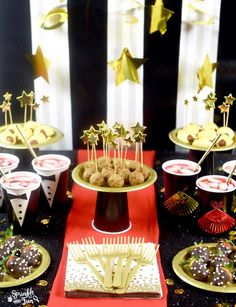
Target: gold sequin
{"type": "Point", "coordinates": [179, 291]}
{"type": "Point", "coordinates": [42, 283]}
{"type": "Point", "coordinates": [169, 282]}
{"type": "Point", "coordinates": [45, 221]}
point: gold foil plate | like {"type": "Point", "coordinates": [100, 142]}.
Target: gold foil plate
{"type": "Point", "coordinates": [77, 176]}
{"type": "Point", "coordinates": [175, 140]}
{"type": "Point", "coordinates": [46, 259]}
{"type": "Point", "coordinates": [182, 274]}
{"type": "Point", "coordinates": [54, 139]}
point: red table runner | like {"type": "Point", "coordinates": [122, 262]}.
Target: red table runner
{"type": "Point", "coordinates": [142, 213]}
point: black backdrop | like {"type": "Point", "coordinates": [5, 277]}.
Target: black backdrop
{"type": "Point", "coordinates": [88, 64]}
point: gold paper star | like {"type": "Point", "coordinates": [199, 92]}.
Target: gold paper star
{"type": "Point", "coordinates": [229, 99]}
{"type": "Point", "coordinates": [204, 74]}
{"type": "Point", "coordinates": [25, 99]}
{"type": "Point", "coordinates": [40, 64]}
{"type": "Point", "coordinates": [159, 17]}
{"type": "Point", "coordinates": [210, 101]}
{"type": "Point", "coordinates": [126, 67]}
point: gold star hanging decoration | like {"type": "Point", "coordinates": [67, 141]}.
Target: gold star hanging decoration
{"type": "Point", "coordinates": [39, 63]}
{"type": "Point", "coordinates": [126, 67]}
{"type": "Point", "coordinates": [204, 74]}
{"type": "Point", "coordinates": [54, 19]}
{"type": "Point", "coordinates": [229, 99]}
{"type": "Point", "coordinates": [159, 17]}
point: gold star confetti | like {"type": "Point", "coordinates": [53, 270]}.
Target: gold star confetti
{"type": "Point", "coordinates": [42, 283]}
{"type": "Point", "coordinates": [45, 221]}
{"type": "Point", "coordinates": [204, 74]}
{"type": "Point", "coordinates": [186, 102]}
{"type": "Point", "coordinates": [169, 282]}
{"type": "Point", "coordinates": [40, 64]}
{"type": "Point", "coordinates": [126, 67]}
{"type": "Point", "coordinates": [179, 291]}
{"type": "Point", "coordinates": [159, 17]}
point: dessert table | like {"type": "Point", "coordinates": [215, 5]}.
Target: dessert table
{"type": "Point", "coordinates": [173, 234]}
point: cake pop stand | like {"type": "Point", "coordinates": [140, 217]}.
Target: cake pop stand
{"type": "Point", "coordinates": [111, 211]}
{"type": "Point", "coordinates": [196, 152]}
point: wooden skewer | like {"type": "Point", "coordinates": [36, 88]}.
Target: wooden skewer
{"type": "Point", "coordinates": [27, 143]}
{"type": "Point", "coordinates": [231, 174]}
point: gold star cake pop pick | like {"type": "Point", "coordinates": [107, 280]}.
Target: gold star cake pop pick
{"type": "Point", "coordinates": [180, 204]}
{"type": "Point", "coordinates": [216, 221]}
{"type": "Point", "coordinates": [126, 67]}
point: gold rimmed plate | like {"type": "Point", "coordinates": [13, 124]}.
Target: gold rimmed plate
{"type": "Point", "coordinates": [52, 140]}
{"type": "Point", "coordinates": [77, 176]}
{"type": "Point", "coordinates": [46, 259]}
{"type": "Point", "coordinates": [181, 272]}
{"type": "Point", "coordinates": [175, 140]}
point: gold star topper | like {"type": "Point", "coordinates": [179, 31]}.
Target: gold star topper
{"type": "Point", "coordinates": [204, 74]}
{"type": "Point", "coordinates": [210, 101]}
{"type": "Point", "coordinates": [40, 64]}
{"type": "Point", "coordinates": [159, 17]}
{"type": "Point", "coordinates": [126, 67]}
{"type": "Point", "coordinates": [229, 99]}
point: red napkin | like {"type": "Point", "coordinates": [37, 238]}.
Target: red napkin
{"type": "Point", "coordinates": [142, 213]}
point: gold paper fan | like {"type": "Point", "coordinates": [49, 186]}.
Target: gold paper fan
{"type": "Point", "coordinates": [180, 204]}
{"type": "Point", "coordinates": [216, 221]}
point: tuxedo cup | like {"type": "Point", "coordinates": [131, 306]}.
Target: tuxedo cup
{"type": "Point", "coordinates": [215, 193]}
{"type": "Point", "coordinates": [54, 172]}
{"type": "Point", "coordinates": [8, 163]}
{"type": "Point", "coordinates": [21, 192]}
{"type": "Point", "coordinates": [180, 175]}
{"type": "Point", "coordinates": [228, 167]}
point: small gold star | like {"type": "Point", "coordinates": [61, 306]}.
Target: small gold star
{"type": "Point", "coordinates": [45, 99]}
{"type": "Point", "coordinates": [25, 99]}
{"type": "Point", "coordinates": [224, 108]}
{"type": "Point", "coordinates": [210, 101]}
{"type": "Point", "coordinates": [229, 99]}
{"type": "Point", "coordinates": [7, 96]}
{"type": "Point", "coordinates": [5, 106]}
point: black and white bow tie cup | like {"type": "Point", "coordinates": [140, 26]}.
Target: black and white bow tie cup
{"type": "Point", "coordinates": [21, 192]}
{"type": "Point", "coordinates": [8, 163]}
{"type": "Point", "coordinates": [54, 172]}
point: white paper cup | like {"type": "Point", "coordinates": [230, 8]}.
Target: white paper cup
{"type": "Point", "coordinates": [21, 191]}
{"type": "Point", "coordinates": [228, 167]}
{"type": "Point", "coordinates": [8, 163]}
{"type": "Point", "coordinates": [54, 172]}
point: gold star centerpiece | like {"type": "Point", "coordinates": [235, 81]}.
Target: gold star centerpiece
{"type": "Point", "coordinates": [204, 74]}
{"type": "Point", "coordinates": [159, 17]}
{"type": "Point", "coordinates": [39, 63]}
{"type": "Point", "coordinates": [126, 67]}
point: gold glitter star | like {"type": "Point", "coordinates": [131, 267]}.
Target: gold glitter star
{"type": "Point", "coordinates": [224, 108]}
{"type": "Point", "coordinates": [7, 96]}
{"type": "Point", "coordinates": [204, 74]}
{"type": "Point", "coordinates": [210, 101]}
{"type": "Point", "coordinates": [25, 99]}
{"type": "Point", "coordinates": [126, 67]}
{"type": "Point", "coordinates": [229, 99]}
{"type": "Point", "coordinates": [40, 64]}
{"type": "Point", "coordinates": [159, 17]}
{"type": "Point", "coordinates": [138, 128]}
